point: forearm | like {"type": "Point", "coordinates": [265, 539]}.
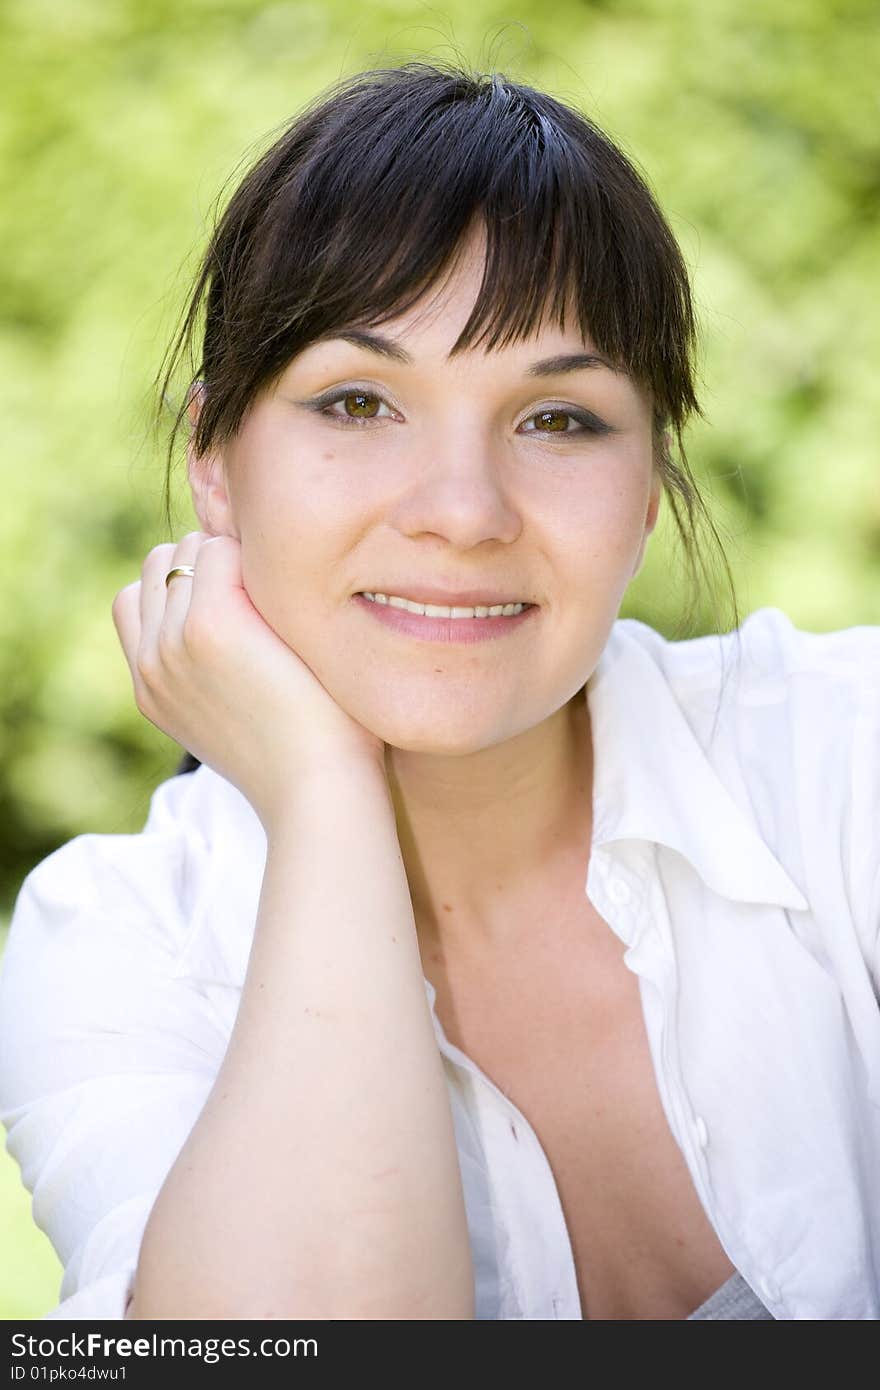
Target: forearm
{"type": "Point", "coordinates": [321, 1178]}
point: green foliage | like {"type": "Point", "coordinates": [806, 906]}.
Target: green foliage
{"type": "Point", "coordinates": [757, 125]}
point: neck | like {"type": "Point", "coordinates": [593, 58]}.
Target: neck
{"type": "Point", "coordinates": [481, 835]}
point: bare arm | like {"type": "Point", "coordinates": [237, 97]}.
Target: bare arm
{"type": "Point", "coordinates": [321, 1179]}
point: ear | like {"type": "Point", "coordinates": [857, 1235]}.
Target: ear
{"type": "Point", "coordinates": [651, 517]}
{"type": "Point", "coordinates": [207, 477]}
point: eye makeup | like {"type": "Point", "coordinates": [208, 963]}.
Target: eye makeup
{"type": "Point", "coordinates": [590, 424]}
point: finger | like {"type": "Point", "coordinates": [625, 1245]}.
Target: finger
{"type": "Point", "coordinates": [178, 592]}
{"type": "Point", "coordinates": [164, 604]}
{"type": "Point", "coordinates": [152, 594]}
{"type": "Point", "coordinates": [125, 610]}
{"type": "Point", "coordinates": [216, 582]}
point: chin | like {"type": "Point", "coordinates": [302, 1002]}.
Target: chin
{"type": "Point", "coordinates": [440, 748]}
{"type": "Point", "coordinates": [441, 737]}
{"type": "Point", "coordinates": [429, 713]}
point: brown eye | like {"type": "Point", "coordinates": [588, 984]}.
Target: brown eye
{"type": "Point", "coordinates": [359, 407]}
{"type": "Point", "coordinates": [362, 409]}
{"type": "Point", "coordinates": [553, 420]}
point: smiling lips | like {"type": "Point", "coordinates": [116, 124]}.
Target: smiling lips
{"type": "Point", "coordinates": [450, 598]}
{"type": "Point", "coordinates": [439, 623]}
{"type": "Point", "coordinates": [457, 611]}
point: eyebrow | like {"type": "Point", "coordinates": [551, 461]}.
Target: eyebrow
{"type": "Point", "coordinates": [545, 366]}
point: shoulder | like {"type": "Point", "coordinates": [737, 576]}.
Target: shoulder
{"type": "Point", "coordinates": [762, 680]}
{"type": "Point", "coordinates": [765, 649]}
{"type": "Point", "coordinates": [774, 699]}
{"type": "Point", "coordinates": [92, 978]}
{"type": "Point", "coordinates": [789, 721]}
{"type": "Point", "coordinates": [148, 879]}
{"type": "Point", "coordinates": [122, 912]}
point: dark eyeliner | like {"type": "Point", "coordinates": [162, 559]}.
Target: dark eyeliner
{"type": "Point", "coordinates": [319, 403]}
{"type": "Point", "coordinates": [591, 423]}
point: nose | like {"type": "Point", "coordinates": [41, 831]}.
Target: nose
{"type": "Point", "coordinates": [463, 491]}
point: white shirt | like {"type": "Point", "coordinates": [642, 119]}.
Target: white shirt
{"type": "Point", "coordinates": [741, 871]}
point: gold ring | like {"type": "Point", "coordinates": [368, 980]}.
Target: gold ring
{"type": "Point", "coordinates": [187, 570]}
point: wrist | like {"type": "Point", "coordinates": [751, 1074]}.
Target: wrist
{"type": "Point", "coordinates": [325, 782]}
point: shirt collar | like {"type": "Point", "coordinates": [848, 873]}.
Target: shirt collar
{"type": "Point", "coordinates": [652, 780]}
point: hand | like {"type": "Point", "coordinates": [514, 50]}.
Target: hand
{"type": "Point", "coordinates": [210, 672]}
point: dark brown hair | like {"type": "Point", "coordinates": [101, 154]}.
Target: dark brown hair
{"type": "Point", "coordinates": [363, 201]}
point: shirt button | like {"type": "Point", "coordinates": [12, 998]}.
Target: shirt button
{"type": "Point", "coordinates": [618, 891]}
{"type": "Point", "coordinates": [701, 1131]}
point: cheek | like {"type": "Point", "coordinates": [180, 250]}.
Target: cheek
{"type": "Point", "coordinates": [286, 474]}
{"type": "Point", "coordinates": [294, 544]}
{"type": "Point", "coordinates": [310, 498]}
{"type": "Point", "coordinates": [286, 499]}
{"type": "Point", "coordinates": [605, 521]}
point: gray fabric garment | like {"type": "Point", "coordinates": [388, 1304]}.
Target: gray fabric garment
{"type": "Point", "coordinates": [735, 1299]}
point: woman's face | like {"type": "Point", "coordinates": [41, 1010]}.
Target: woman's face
{"type": "Point", "coordinates": [436, 474]}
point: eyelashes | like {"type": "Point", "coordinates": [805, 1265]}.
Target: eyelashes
{"type": "Point", "coordinates": [590, 424]}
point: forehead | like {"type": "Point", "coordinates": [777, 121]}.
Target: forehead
{"type": "Point", "coordinates": [570, 356]}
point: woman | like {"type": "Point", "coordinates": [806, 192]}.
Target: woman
{"type": "Point", "coordinates": [502, 959]}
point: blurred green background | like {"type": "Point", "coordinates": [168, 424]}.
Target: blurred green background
{"type": "Point", "coordinates": [757, 124]}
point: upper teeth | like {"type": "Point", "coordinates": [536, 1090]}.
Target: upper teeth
{"type": "Point", "coordinates": [432, 610]}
